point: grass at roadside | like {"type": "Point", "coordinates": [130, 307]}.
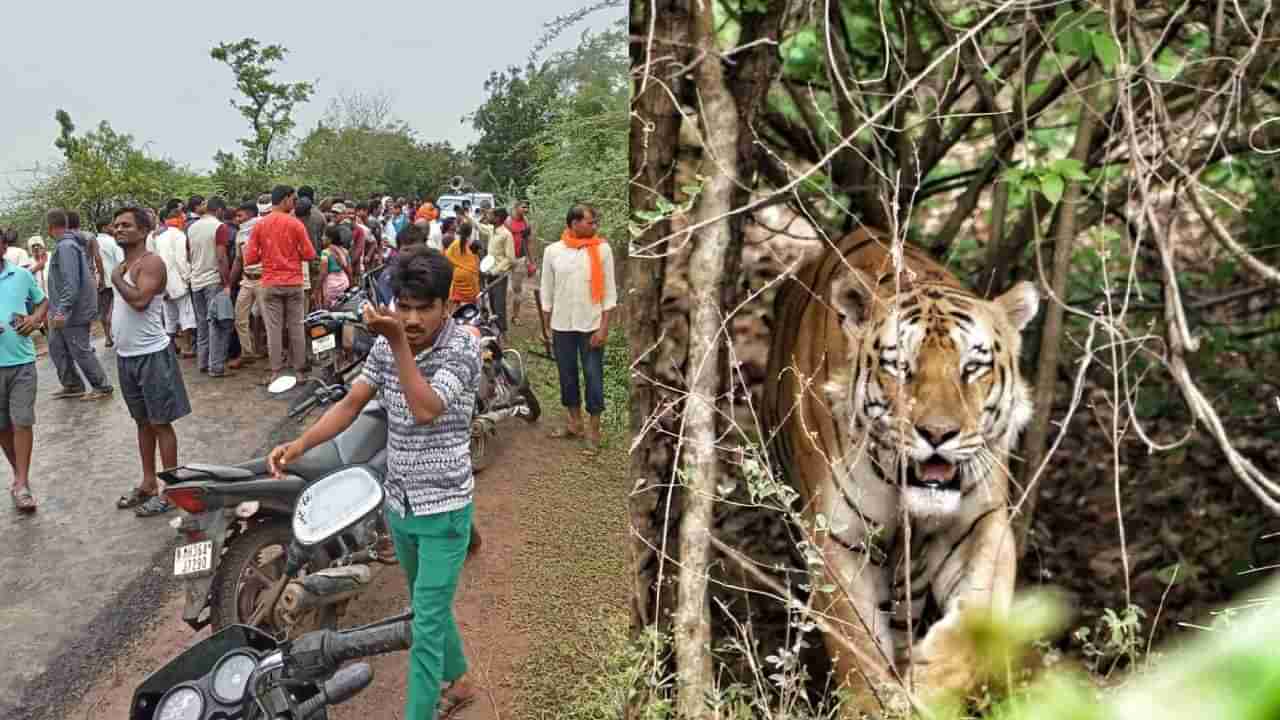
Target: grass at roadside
{"type": "Point", "coordinates": [572, 577]}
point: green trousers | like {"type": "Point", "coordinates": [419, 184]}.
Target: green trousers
{"type": "Point", "coordinates": [431, 549]}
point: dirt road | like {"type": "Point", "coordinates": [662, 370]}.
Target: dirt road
{"type": "Point", "coordinates": [78, 573]}
{"type": "Point", "coordinates": [552, 518]}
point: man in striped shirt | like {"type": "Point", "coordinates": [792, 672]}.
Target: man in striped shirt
{"type": "Point", "coordinates": [425, 371]}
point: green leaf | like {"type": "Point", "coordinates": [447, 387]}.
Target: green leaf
{"type": "Point", "coordinates": [1106, 48]}
{"type": "Point", "coordinates": [1052, 187]}
{"type": "Point", "coordinates": [1069, 168]}
{"type": "Point", "coordinates": [1168, 63]}
{"type": "Point", "coordinates": [1076, 41]}
{"type": "Point", "coordinates": [1170, 575]}
{"type": "Point", "coordinates": [801, 54]}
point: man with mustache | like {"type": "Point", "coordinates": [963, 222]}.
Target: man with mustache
{"type": "Point", "coordinates": [146, 360]}
{"type": "Point", "coordinates": [425, 371]}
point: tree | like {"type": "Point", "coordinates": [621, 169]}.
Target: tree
{"type": "Point", "coordinates": [360, 148]}
{"type": "Point", "coordinates": [516, 113]}
{"type": "Point", "coordinates": [581, 155]}
{"type": "Point", "coordinates": [104, 170]}
{"type": "Point", "coordinates": [523, 102]}
{"type": "Point", "coordinates": [267, 105]}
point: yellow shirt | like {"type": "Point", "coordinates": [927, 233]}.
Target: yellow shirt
{"type": "Point", "coordinates": [466, 273]}
{"type": "Point", "coordinates": [503, 250]}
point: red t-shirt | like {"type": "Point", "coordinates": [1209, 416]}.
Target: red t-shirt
{"type": "Point", "coordinates": [357, 247]}
{"type": "Point", "coordinates": [222, 238]}
{"type": "Point", "coordinates": [517, 228]}
{"type": "Point", "coordinates": [280, 242]}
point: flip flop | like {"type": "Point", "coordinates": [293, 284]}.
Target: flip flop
{"type": "Point", "coordinates": [564, 434]}
{"type": "Point", "coordinates": [452, 703]}
{"type": "Point", "coordinates": [23, 500]}
{"type": "Point", "coordinates": [155, 505]}
{"type": "Point", "coordinates": [133, 498]}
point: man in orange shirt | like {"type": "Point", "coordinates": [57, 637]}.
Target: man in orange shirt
{"type": "Point", "coordinates": [280, 242]}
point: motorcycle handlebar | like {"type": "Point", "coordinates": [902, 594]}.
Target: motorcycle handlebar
{"type": "Point", "coordinates": [352, 644]}
{"type": "Point", "coordinates": [344, 685]}
{"type": "Point", "coordinates": [304, 407]}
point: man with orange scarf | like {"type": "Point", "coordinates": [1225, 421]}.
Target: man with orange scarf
{"type": "Point", "coordinates": [579, 293]}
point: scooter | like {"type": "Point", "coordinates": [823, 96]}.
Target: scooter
{"type": "Point", "coordinates": [244, 672]}
{"type": "Point", "coordinates": [504, 381]}
{"type": "Point", "coordinates": [235, 564]}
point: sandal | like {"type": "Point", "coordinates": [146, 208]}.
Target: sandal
{"type": "Point", "coordinates": [157, 505]}
{"type": "Point", "coordinates": [453, 702]}
{"type": "Point", "coordinates": [133, 498]}
{"type": "Point", "coordinates": [565, 433]}
{"type": "Point", "coordinates": [23, 500]}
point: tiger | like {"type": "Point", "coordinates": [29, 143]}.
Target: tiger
{"type": "Point", "coordinates": [893, 398]}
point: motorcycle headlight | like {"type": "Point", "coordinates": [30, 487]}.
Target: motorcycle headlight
{"type": "Point", "coordinates": [181, 703]}
{"type": "Point", "coordinates": [231, 676]}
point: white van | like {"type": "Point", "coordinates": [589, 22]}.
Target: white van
{"type": "Point", "coordinates": [446, 203]}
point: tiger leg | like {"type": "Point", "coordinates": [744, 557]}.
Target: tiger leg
{"type": "Point", "coordinates": [977, 577]}
{"type": "Point", "coordinates": [860, 642]}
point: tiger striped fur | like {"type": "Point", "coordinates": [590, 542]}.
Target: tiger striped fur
{"type": "Point", "coordinates": [893, 400]}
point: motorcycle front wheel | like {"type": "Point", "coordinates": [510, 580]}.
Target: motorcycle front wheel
{"type": "Point", "coordinates": [247, 575]}
{"type": "Point", "coordinates": [531, 400]}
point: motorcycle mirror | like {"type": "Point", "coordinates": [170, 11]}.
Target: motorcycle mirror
{"type": "Point", "coordinates": [282, 384]}
{"type": "Point", "coordinates": [335, 503]}
{"type": "Point", "coordinates": [486, 265]}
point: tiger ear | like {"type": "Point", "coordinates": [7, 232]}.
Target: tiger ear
{"type": "Point", "coordinates": [1020, 303]}
{"type": "Point", "coordinates": [851, 296]}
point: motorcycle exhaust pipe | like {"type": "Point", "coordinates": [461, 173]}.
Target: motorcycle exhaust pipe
{"type": "Point", "coordinates": [323, 588]}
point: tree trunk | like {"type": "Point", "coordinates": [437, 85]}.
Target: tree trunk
{"type": "Point", "coordinates": [1051, 334]}
{"type": "Point", "coordinates": [719, 120]}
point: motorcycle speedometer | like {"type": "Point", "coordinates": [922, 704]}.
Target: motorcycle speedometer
{"type": "Point", "coordinates": [181, 703]}
{"type": "Point", "coordinates": [231, 676]}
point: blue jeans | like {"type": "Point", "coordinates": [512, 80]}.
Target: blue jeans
{"type": "Point", "coordinates": [568, 348]}
{"type": "Point", "coordinates": [212, 334]}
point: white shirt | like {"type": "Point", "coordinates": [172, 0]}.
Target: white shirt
{"type": "Point", "coordinates": [202, 236]}
{"type": "Point", "coordinates": [389, 232]}
{"type": "Point", "coordinates": [111, 253]}
{"type": "Point", "coordinates": [435, 236]}
{"type": "Point", "coordinates": [17, 256]}
{"type": "Point", "coordinates": [566, 287]}
{"type": "Point", "coordinates": [171, 246]}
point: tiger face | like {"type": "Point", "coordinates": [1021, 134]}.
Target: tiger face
{"type": "Point", "coordinates": [933, 394]}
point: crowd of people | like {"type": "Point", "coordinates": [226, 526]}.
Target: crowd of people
{"type": "Point", "coordinates": [200, 280]}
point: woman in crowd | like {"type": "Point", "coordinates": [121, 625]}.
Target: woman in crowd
{"type": "Point", "coordinates": [466, 267]}
{"type": "Point", "coordinates": [335, 266]}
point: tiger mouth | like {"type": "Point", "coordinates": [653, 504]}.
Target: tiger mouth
{"type": "Point", "coordinates": [935, 473]}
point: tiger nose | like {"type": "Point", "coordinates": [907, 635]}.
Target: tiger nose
{"type": "Point", "coordinates": [937, 434]}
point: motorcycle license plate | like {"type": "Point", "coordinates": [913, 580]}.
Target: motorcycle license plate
{"type": "Point", "coordinates": [193, 559]}
{"type": "Point", "coordinates": [323, 344]}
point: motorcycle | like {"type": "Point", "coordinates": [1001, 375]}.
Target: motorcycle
{"type": "Point", "coordinates": [244, 672]}
{"type": "Point", "coordinates": [234, 562]}
{"type": "Point", "coordinates": [339, 339]}
{"type": "Point", "coordinates": [504, 382]}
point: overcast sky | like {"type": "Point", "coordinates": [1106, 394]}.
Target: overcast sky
{"type": "Point", "coordinates": [97, 60]}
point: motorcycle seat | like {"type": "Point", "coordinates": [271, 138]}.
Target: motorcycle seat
{"type": "Point", "coordinates": [194, 471]}
{"type": "Point", "coordinates": [313, 465]}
